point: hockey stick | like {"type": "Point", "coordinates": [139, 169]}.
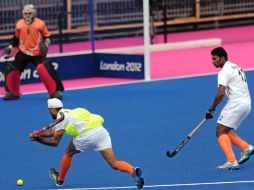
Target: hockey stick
{"type": "Point", "coordinates": [55, 122]}
{"type": "Point", "coordinates": [184, 142]}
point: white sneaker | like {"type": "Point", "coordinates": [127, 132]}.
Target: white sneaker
{"type": "Point", "coordinates": [229, 166]}
{"type": "Point", "coordinates": [246, 154]}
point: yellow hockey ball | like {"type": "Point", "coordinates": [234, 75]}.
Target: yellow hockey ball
{"type": "Point", "coordinates": [20, 182]}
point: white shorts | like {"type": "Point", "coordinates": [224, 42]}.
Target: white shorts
{"type": "Point", "coordinates": [96, 139]}
{"type": "Point", "coordinates": [233, 114]}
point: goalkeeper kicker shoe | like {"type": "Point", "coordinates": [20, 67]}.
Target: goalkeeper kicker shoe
{"type": "Point", "coordinates": [10, 96]}
{"type": "Point", "coordinates": [54, 176]}
{"type": "Point", "coordinates": [137, 176]}
{"type": "Point", "coordinates": [57, 94]}
{"type": "Point", "coordinates": [246, 154]}
{"type": "Point", "coordinates": [229, 166]}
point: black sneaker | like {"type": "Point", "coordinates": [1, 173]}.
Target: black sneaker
{"type": "Point", "coordinates": [54, 176]}
{"type": "Point", "coordinates": [137, 176]}
{"type": "Point", "coordinates": [10, 96]}
{"type": "Point", "coordinates": [57, 94]}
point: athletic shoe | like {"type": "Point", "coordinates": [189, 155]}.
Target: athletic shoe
{"type": "Point", "coordinates": [54, 176]}
{"type": "Point", "coordinates": [10, 96]}
{"type": "Point", "coordinates": [246, 154]}
{"type": "Point", "coordinates": [137, 176]}
{"type": "Point", "coordinates": [229, 166]}
{"type": "Point", "coordinates": [57, 94]}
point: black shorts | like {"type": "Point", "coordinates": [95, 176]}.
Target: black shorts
{"type": "Point", "coordinates": [21, 60]}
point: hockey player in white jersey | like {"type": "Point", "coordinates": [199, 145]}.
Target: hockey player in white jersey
{"type": "Point", "coordinates": [232, 82]}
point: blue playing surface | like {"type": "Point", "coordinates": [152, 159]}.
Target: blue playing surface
{"type": "Point", "coordinates": [144, 120]}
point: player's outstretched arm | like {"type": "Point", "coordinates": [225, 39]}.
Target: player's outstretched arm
{"type": "Point", "coordinates": [45, 134]}
{"type": "Point", "coordinates": [51, 142]}
{"type": "Point", "coordinates": [48, 134]}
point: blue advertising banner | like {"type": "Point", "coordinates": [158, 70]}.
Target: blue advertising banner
{"type": "Point", "coordinates": [87, 65]}
{"type": "Point", "coordinates": [120, 65]}
{"type": "Point", "coordinates": [67, 67]}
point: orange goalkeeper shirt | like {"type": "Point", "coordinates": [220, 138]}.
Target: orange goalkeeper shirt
{"type": "Point", "coordinates": [31, 35]}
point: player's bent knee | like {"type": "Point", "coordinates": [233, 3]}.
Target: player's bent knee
{"type": "Point", "coordinates": [220, 130]}
{"type": "Point", "coordinates": [114, 165]}
{"type": "Point", "coordinates": [71, 152]}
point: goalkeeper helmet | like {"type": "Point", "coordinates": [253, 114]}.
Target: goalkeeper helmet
{"type": "Point", "coordinates": [29, 12]}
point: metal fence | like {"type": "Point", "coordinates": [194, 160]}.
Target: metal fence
{"type": "Point", "coordinates": [10, 12]}
{"type": "Point", "coordinates": [225, 7]}
{"type": "Point", "coordinates": [74, 14]}
{"type": "Point", "coordinates": [173, 9]}
{"type": "Point", "coordinates": [118, 11]}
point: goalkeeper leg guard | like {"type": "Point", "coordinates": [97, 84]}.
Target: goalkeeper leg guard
{"type": "Point", "coordinates": [46, 78]}
{"type": "Point", "coordinates": [53, 73]}
{"type": "Point", "coordinates": [51, 80]}
{"type": "Point", "coordinates": [12, 84]}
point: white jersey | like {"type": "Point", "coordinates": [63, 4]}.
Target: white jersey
{"type": "Point", "coordinates": [233, 78]}
{"type": "Point", "coordinates": [80, 125]}
{"type": "Point", "coordinates": [96, 139]}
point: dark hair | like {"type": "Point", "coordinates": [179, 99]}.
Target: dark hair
{"type": "Point", "coordinates": [221, 52]}
{"type": "Point", "coordinates": [58, 109]}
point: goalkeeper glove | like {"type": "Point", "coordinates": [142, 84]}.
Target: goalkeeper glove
{"type": "Point", "coordinates": [8, 52]}
{"type": "Point", "coordinates": [44, 46]}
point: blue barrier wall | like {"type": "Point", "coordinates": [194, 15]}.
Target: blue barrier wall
{"type": "Point", "coordinates": [88, 65]}
{"type": "Point", "coordinates": [121, 66]}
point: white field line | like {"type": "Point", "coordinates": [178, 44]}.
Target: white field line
{"type": "Point", "coordinates": [165, 185]}
{"type": "Point", "coordinates": [129, 82]}
{"type": "Point", "coordinates": [121, 83]}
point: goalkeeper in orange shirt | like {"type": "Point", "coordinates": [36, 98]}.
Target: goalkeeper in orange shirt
{"type": "Point", "coordinates": [32, 39]}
